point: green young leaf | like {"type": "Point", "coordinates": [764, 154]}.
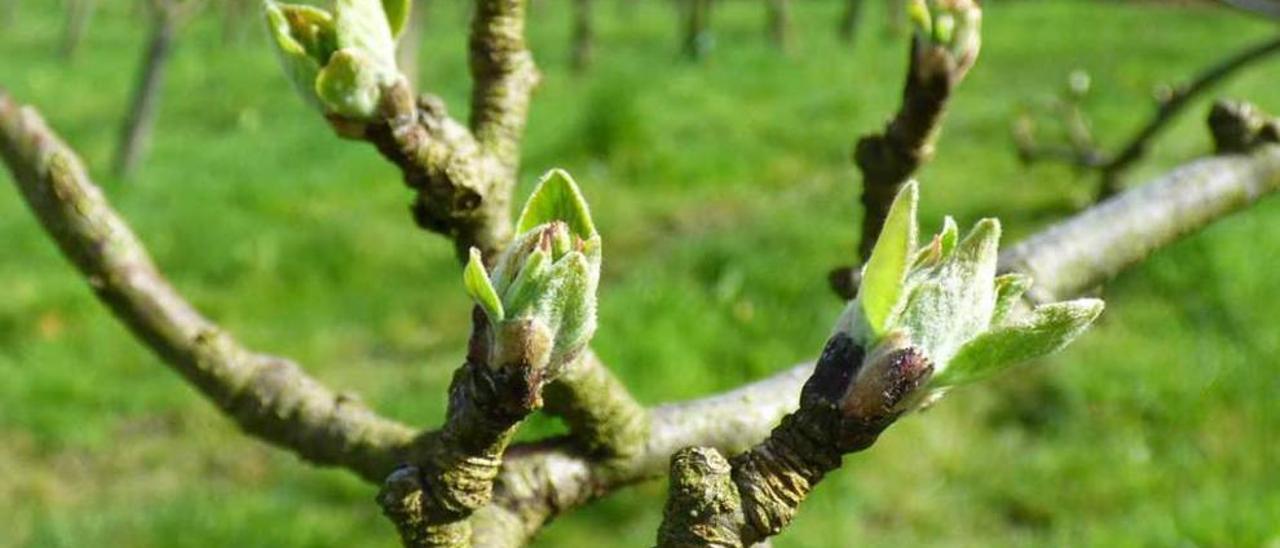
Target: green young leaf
{"type": "Point", "coordinates": [349, 85]}
{"type": "Point", "coordinates": [575, 304]}
{"type": "Point", "coordinates": [1009, 288]}
{"type": "Point", "coordinates": [1047, 330]}
{"type": "Point", "coordinates": [557, 198]}
{"type": "Point", "coordinates": [954, 301]}
{"type": "Point", "coordinates": [476, 280]}
{"type": "Point", "coordinates": [949, 236]}
{"type": "Point", "coordinates": [362, 25]}
{"type": "Point", "coordinates": [529, 284]}
{"type": "Point", "coordinates": [308, 28]}
{"type": "Point", "coordinates": [397, 14]}
{"type": "Point", "coordinates": [886, 269]}
{"type": "Point", "coordinates": [304, 38]}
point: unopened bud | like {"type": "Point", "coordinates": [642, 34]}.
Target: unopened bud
{"type": "Point", "coordinates": [938, 314]}
{"type": "Point", "coordinates": [339, 59]}
{"type": "Point", "coordinates": [889, 383]}
{"type": "Point", "coordinates": [544, 282]}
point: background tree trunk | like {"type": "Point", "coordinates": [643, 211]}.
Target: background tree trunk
{"type": "Point", "coordinates": [237, 18]}
{"type": "Point", "coordinates": [8, 13]}
{"type": "Point", "coordinates": [696, 38]}
{"type": "Point", "coordinates": [135, 135]}
{"type": "Point", "coordinates": [779, 22]}
{"type": "Point", "coordinates": [582, 48]}
{"type": "Point", "coordinates": [848, 29]}
{"type": "Point", "coordinates": [79, 13]}
{"type": "Point", "coordinates": [411, 44]}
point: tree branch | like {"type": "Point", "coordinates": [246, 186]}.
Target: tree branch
{"type": "Point", "coordinates": [1111, 168]}
{"type": "Point", "coordinates": [603, 417]}
{"type": "Point", "coordinates": [713, 502]}
{"type": "Point", "coordinates": [1175, 103]}
{"type": "Point", "coordinates": [542, 481]}
{"type": "Point", "coordinates": [888, 159]}
{"type": "Point", "coordinates": [1092, 247]}
{"type": "Point", "coordinates": [269, 397]}
{"type": "Point", "coordinates": [460, 193]}
{"type": "Point", "coordinates": [504, 77]}
{"type": "Point", "coordinates": [488, 399]}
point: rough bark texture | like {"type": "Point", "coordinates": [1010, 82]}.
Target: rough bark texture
{"type": "Point", "coordinates": [542, 481]}
{"type": "Point", "coordinates": [758, 493]}
{"type": "Point", "coordinates": [887, 160]}
{"type": "Point", "coordinates": [459, 187]}
{"type": "Point", "coordinates": [269, 397]}
{"type": "Point", "coordinates": [464, 484]}
{"type": "Point", "coordinates": [603, 417]}
{"type": "Point", "coordinates": [455, 473]}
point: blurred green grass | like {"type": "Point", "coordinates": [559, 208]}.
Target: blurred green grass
{"type": "Point", "coordinates": [724, 194]}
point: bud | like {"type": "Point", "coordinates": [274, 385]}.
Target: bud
{"type": "Point", "coordinates": [339, 59]}
{"type": "Point", "coordinates": [545, 281]}
{"type": "Point", "coordinates": [889, 381]}
{"type": "Point", "coordinates": [1078, 84]}
{"type": "Point", "coordinates": [952, 25]}
{"type": "Point", "coordinates": [943, 305]}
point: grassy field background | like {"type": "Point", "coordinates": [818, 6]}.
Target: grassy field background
{"type": "Point", "coordinates": [724, 193]}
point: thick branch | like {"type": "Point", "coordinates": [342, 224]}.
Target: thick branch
{"type": "Point", "coordinates": [602, 415]}
{"type": "Point", "coordinates": [887, 160]}
{"type": "Point", "coordinates": [1092, 247]}
{"type": "Point", "coordinates": [490, 396]}
{"type": "Point", "coordinates": [269, 397]}
{"type": "Point", "coordinates": [542, 481]}
{"type": "Point", "coordinates": [461, 190]}
{"type": "Point", "coordinates": [759, 492]}
{"type": "Point", "coordinates": [1175, 103]}
{"type": "Point", "coordinates": [504, 76]}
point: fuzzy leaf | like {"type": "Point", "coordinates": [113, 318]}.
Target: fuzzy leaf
{"type": "Point", "coordinates": [575, 304]}
{"type": "Point", "coordinates": [349, 85]}
{"type": "Point", "coordinates": [304, 40]}
{"type": "Point", "coordinates": [949, 236]}
{"type": "Point", "coordinates": [1009, 288]}
{"type": "Point", "coordinates": [397, 14]}
{"type": "Point", "coordinates": [529, 284]}
{"type": "Point", "coordinates": [362, 25]}
{"type": "Point", "coordinates": [886, 269]}
{"type": "Point", "coordinates": [1047, 330]}
{"type": "Point", "coordinates": [557, 198]}
{"type": "Point", "coordinates": [476, 280]}
{"type": "Point", "coordinates": [954, 301]}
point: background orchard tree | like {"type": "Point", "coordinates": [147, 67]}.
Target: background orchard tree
{"type": "Point", "coordinates": [925, 315]}
{"type": "Point", "coordinates": [166, 18]}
